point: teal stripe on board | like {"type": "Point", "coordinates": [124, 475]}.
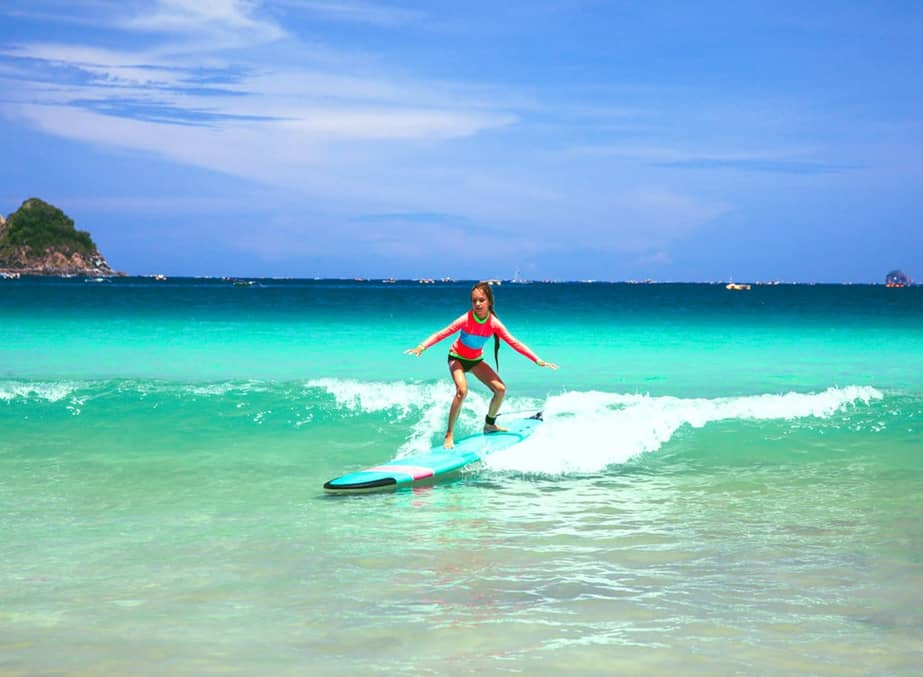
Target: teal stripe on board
{"type": "Point", "coordinates": [721, 474]}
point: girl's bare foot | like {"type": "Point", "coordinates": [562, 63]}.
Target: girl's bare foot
{"type": "Point", "coordinates": [449, 441]}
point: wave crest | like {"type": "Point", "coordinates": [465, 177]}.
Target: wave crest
{"type": "Point", "coordinates": [584, 431]}
{"type": "Point", "coordinates": [588, 431]}
{"type": "Point", "coordinates": [36, 390]}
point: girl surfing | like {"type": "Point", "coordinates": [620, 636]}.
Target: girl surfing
{"type": "Point", "coordinates": [467, 354]}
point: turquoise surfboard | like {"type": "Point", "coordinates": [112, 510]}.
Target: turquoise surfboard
{"type": "Point", "coordinates": [437, 463]}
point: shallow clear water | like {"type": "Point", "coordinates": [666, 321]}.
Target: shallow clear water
{"type": "Point", "coordinates": [725, 482]}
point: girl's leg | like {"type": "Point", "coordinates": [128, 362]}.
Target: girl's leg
{"type": "Point", "coordinates": [490, 378]}
{"type": "Point", "coordinates": [461, 390]}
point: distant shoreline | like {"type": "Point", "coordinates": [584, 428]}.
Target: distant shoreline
{"type": "Point", "coordinates": [74, 272]}
{"type": "Point", "coordinates": [11, 274]}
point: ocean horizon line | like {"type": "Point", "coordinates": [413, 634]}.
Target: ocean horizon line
{"type": "Point", "coordinates": [9, 274]}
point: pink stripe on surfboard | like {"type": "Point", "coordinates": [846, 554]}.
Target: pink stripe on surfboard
{"type": "Point", "coordinates": [418, 472]}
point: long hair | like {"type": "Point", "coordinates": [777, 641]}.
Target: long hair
{"type": "Point", "coordinates": [489, 293]}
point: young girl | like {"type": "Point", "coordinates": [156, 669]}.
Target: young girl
{"type": "Point", "coordinates": [467, 354]}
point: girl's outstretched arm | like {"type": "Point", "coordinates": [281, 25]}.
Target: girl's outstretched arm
{"type": "Point", "coordinates": [438, 336]}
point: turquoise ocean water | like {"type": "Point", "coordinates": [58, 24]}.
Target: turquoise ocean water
{"type": "Point", "coordinates": [726, 482]}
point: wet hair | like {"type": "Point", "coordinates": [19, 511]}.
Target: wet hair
{"type": "Point", "coordinates": [489, 293]}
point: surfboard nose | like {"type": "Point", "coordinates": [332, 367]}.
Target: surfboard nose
{"type": "Point", "coordinates": [360, 481]}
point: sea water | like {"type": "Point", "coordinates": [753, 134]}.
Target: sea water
{"type": "Point", "coordinates": [725, 482]}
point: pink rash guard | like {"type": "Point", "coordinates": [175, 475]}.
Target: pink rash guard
{"type": "Point", "coordinates": [474, 334]}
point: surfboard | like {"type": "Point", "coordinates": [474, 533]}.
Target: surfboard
{"type": "Point", "coordinates": [435, 464]}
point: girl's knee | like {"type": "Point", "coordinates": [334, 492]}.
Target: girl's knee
{"type": "Point", "coordinates": [460, 392]}
{"type": "Point", "coordinates": [500, 388]}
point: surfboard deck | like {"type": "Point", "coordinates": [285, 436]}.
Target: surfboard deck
{"type": "Point", "coordinates": [437, 463]}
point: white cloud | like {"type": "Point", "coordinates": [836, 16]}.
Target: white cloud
{"type": "Point", "coordinates": [675, 154]}
{"type": "Point", "coordinates": [357, 12]}
{"type": "Point", "coordinates": [336, 129]}
{"type": "Point", "coordinates": [185, 76]}
{"type": "Point", "coordinates": [150, 70]}
{"type": "Point", "coordinates": [393, 124]}
{"type": "Point", "coordinates": [278, 152]}
{"type": "Point", "coordinates": [226, 18]}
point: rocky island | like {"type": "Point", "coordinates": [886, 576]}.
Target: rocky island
{"type": "Point", "coordinates": [40, 239]}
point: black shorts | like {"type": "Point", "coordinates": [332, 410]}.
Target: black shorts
{"type": "Point", "coordinates": [467, 365]}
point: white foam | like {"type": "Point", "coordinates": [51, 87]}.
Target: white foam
{"type": "Point", "coordinates": [50, 392]}
{"type": "Point", "coordinates": [427, 404]}
{"type": "Point", "coordinates": [583, 431]}
{"type": "Point", "coordinates": [372, 397]}
{"type": "Point", "coordinates": [212, 389]}
{"type": "Point", "coordinates": [588, 431]}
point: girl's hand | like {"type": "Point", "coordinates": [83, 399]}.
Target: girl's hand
{"type": "Point", "coordinates": [550, 365]}
{"type": "Point", "coordinates": [414, 351]}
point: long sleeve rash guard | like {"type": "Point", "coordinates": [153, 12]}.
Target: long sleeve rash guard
{"type": "Point", "coordinates": [474, 334]}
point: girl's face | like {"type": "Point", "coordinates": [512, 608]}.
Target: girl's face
{"type": "Point", "coordinates": [479, 304]}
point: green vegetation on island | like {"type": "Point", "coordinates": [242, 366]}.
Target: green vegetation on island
{"type": "Point", "coordinates": [40, 239]}
{"type": "Point", "coordinates": [38, 226]}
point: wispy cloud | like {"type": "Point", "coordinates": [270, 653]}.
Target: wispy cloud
{"type": "Point", "coordinates": [61, 63]}
{"type": "Point", "coordinates": [565, 128]}
{"type": "Point", "coordinates": [231, 20]}
{"type": "Point", "coordinates": [355, 12]}
{"type": "Point", "coordinates": [778, 161]}
{"type": "Point", "coordinates": [387, 123]}
{"type": "Point", "coordinates": [188, 77]}
{"type": "Point", "coordinates": [87, 12]}
{"type": "Point", "coordinates": [356, 134]}
{"type": "Point", "coordinates": [415, 217]}
{"type": "Point", "coordinates": [780, 166]}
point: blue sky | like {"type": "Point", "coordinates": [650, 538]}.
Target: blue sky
{"type": "Point", "coordinates": [565, 139]}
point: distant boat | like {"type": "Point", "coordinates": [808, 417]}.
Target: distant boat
{"type": "Point", "coordinates": [97, 279]}
{"type": "Point", "coordinates": [244, 283]}
{"type": "Point", "coordinates": [493, 283]}
{"type": "Point", "coordinates": [426, 280]}
{"type": "Point", "coordinates": [737, 287]}
{"type": "Point", "coordinates": [388, 280]}
{"type": "Point", "coordinates": [159, 277]}
{"type": "Point", "coordinates": [9, 276]}
{"type": "Point", "coordinates": [517, 279]}
{"type": "Point", "coordinates": [897, 278]}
